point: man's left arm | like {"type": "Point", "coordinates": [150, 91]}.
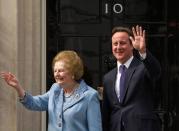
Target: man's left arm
{"type": "Point", "coordinates": [139, 43]}
{"type": "Point", "coordinates": [152, 64]}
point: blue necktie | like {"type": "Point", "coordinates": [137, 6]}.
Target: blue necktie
{"type": "Point", "coordinates": [122, 70]}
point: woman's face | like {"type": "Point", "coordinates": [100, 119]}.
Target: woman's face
{"type": "Point", "coordinates": [62, 75]}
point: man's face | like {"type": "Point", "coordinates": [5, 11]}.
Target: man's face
{"type": "Point", "coordinates": [121, 47]}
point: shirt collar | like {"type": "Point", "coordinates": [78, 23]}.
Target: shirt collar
{"type": "Point", "coordinates": [127, 63]}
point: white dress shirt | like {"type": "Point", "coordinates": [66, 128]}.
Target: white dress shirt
{"type": "Point", "coordinates": [127, 63]}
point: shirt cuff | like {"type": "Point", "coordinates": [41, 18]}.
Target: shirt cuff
{"type": "Point", "coordinates": [143, 56]}
{"type": "Point", "coordinates": [21, 99]}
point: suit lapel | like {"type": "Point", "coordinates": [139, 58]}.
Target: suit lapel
{"type": "Point", "coordinates": [113, 79]}
{"type": "Point", "coordinates": [76, 99]}
{"type": "Point", "coordinates": [78, 96]}
{"type": "Point", "coordinates": [58, 100]}
{"type": "Point", "coordinates": [129, 74]}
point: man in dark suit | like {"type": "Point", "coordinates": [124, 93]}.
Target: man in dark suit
{"type": "Point", "coordinates": [128, 104]}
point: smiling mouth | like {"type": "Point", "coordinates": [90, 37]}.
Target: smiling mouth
{"type": "Point", "coordinates": [120, 52]}
{"type": "Point", "coordinates": [58, 78]}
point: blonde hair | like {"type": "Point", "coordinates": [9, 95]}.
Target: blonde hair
{"type": "Point", "coordinates": [72, 61]}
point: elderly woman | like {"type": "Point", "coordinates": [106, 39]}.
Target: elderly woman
{"type": "Point", "coordinates": [72, 105]}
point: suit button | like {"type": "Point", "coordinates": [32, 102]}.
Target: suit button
{"type": "Point", "coordinates": [59, 124]}
{"type": "Point", "coordinates": [123, 123]}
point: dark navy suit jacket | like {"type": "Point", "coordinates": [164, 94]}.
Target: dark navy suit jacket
{"type": "Point", "coordinates": [136, 111]}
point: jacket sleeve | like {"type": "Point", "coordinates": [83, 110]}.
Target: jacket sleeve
{"type": "Point", "coordinates": [105, 110]}
{"type": "Point", "coordinates": [36, 103]}
{"type": "Point", "coordinates": [152, 65]}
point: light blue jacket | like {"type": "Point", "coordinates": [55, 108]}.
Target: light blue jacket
{"type": "Point", "coordinates": [81, 114]}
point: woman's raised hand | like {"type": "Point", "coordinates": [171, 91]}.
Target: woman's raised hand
{"type": "Point", "coordinates": [13, 82]}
